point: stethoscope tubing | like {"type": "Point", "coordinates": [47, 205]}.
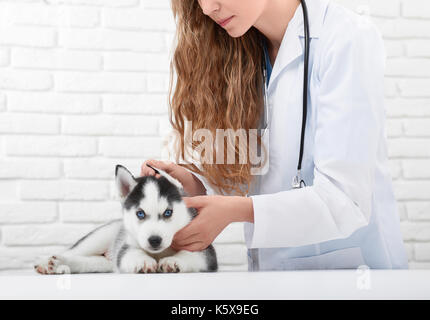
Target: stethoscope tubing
{"type": "Point", "coordinates": [298, 182]}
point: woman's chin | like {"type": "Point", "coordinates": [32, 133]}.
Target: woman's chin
{"type": "Point", "coordinates": [235, 33]}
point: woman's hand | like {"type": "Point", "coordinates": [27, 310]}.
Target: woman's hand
{"type": "Point", "coordinates": [192, 185]}
{"type": "Point", "coordinates": [215, 212]}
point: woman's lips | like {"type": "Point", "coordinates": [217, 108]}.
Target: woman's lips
{"type": "Point", "coordinates": [224, 22]}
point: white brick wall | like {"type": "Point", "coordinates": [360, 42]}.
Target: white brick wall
{"type": "Point", "coordinates": [83, 86]}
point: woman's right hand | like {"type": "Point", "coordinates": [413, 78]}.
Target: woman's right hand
{"type": "Point", "coordinates": [192, 185]}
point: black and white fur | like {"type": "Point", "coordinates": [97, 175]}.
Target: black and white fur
{"type": "Point", "coordinates": [133, 244]}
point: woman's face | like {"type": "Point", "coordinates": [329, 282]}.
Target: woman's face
{"type": "Point", "coordinates": [235, 16]}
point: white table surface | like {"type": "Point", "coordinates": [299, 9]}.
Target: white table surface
{"type": "Point", "coordinates": [278, 285]}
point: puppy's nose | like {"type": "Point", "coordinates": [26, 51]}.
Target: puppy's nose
{"type": "Point", "coordinates": [154, 241]}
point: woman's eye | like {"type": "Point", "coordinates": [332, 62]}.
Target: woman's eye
{"type": "Point", "coordinates": [140, 214]}
{"type": "Point", "coordinates": [168, 213]}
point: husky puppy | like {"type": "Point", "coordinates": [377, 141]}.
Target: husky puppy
{"type": "Point", "coordinates": [153, 211]}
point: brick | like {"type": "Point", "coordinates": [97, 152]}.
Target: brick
{"type": "Point", "coordinates": [27, 36]}
{"type": "Point", "coordinates": [408, 67]}
{"type": "Point", "coordinates": [132, 61]}
{"type": "Point", "coordinates": [19, 168]}
{"type": "Point", "coordinates": [383, 8]}
{"type": "Point", "coordinates": [418, 210]}
{"type": "Point", "coordinates": [233, 233]}
{"type": "Point", "coordinates": [422, 251]}
{"type": "Point", "coordinates": [51, 102]}
{"type": "Point", "coordinates": [394, 128]}
{"type": "Point", "coordinates": [148, 147]}
{"type": "Point", "coordinates": [409, 148]}
{"type": "Point", "coordinates": [8, 190]}
{"type": "Point", "coordinates": [165, 128]}
{"type": "Point", "coordinates": [395, 168]}
{"type": "Point", "coordinates": [390, 88]}
{"type": "Point", "coordinates": [416, 9]}
{"type": "Point", "coordinates": [2, 102]}
{"type": "Point", "coordinates": [22, 257]}
{"type": "Point", "coordinates": [401, 108]}
{"type": "Point", "coordinates": [62, 146]}
{"type": "Point", "coordinates": [42, 15]}
{"type": "Point", "coordinates": [110, 125]}
{"type": "Point", "coordinates": [414, 87]}
{"type": "Point", "coordinates": [411, 190]}
{"type": "Point", "coordinates": [90, 168]}
{"type": "Point", "coordinates": [419, 265]}
{"type": "Point", "coordinates": [409, 248]}
{"type": "Point", "coordinates": [63, 190]}
{"type": "Point", "coordinates": [234, 254]}
{"type": "Point", "coordinates": [418, 48]}
{"type": "Point", "coordinates": [57, 59]}
{"type": "Point", "coordinates": [160, 4]}
{"type": "Point", "coordinates": [156, 104]}
{"type": "Point", "coordinates": [29, 123]}
{"type": "Point", "coordinates": [98, 3]}
{"type": "Point", "coordinates": [413, 231]}
{"type": "Point", "coordinates": [25, 80]}
{"type": "Point", "coordinates": [157, 83]}
{"type": "Point", "coordinates": [141, 18]}
{"type": "Point", "coordinates": [44, 235]}
{"type": "Point", "coordinates": [4, 57]}
{"type": "Point", "coordinates": [401, 209]}
{"type": "Point", "coordinates": [109, 39]}
{"type": "Point", "coordinates": [417, 127]}
{"type": "Point", "coordinates": [100, 82]}
{"type": "Point", "coordinates": [416, 168]}
{"type": "Point", "coordinates": [394, 48]}
{"type": "Point", "coordinates": [90, 211]}
{"type": "Point", "coordinates": [403, 28]}
{"type": "Point", "coordinates": [22, 212]}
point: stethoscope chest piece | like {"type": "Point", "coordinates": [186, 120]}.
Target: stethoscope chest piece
{"type": "Point", "coordinates": [298, 182]}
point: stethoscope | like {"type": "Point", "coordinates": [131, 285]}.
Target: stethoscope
{"type": "Point", "coordinates": [298, 182]}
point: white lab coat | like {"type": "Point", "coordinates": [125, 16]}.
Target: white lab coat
{"type": "Point", "coordinates": [346, 216]}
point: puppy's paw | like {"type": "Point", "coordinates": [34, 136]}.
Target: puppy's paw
{"type": "Point", "coordinates": [138, 263]}
{"type": "Point", "coordinates": [51, 265]}
{"type": "Point", "coordinates": [172, 264]}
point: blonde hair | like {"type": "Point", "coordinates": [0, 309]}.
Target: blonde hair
{"type": "Point", "coordinates": [219, 86]}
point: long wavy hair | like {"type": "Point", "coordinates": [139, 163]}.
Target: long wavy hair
{"type": "Point", "coordinates": [218, 86]}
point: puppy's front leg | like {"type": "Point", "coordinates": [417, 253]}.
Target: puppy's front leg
{"type": "Point", "coordinates": [133, 260]}
{"type": "Point", "coordinates": [183, 261]}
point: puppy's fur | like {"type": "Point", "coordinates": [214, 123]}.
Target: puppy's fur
{"type": "Point", "coordinates": [153, 211]}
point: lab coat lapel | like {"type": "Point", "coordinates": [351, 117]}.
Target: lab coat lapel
{"type": "Point", "coordinates": [291, 46]}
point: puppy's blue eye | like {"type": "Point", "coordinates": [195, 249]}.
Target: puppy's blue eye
{"type": "Point", "coordinates": [140, 214]}
{"type": "Point", "coordinates": [168, 213]}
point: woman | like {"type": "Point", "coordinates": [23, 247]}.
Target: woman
{"type": "Point", "coordinates": [346, 215]}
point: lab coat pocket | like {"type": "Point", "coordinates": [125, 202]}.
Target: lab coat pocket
{"type": "Point", "coordinates": [348, 258]}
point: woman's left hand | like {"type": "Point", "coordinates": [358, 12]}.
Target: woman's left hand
{"type": "Point", "coordinates": [212, 218]}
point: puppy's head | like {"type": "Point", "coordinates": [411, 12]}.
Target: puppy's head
{"type": "Point", "coordinates": [153, 209]}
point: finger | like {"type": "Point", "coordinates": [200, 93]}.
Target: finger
{"type": "Point", "coordinates": [185, 234]}
{"type": "Point", "coordinates": [145, 170]}
{"type": "Point", "coordinates": [163, 165]}
{"type": "Point", "coordinates": [194, 246]}
{"type": "Point", "coordinates": [195, 202]}
{"type": "Point", "coordinates": [149, 172]}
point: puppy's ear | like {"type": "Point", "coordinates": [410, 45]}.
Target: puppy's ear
{"type": "Point", "coordinates": [125, 181]}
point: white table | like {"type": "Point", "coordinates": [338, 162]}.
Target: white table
{"type": "Point", "coordinates": [279, 285]}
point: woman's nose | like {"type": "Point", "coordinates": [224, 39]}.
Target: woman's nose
{"type": "Point", "coordinates": [209, 6]}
